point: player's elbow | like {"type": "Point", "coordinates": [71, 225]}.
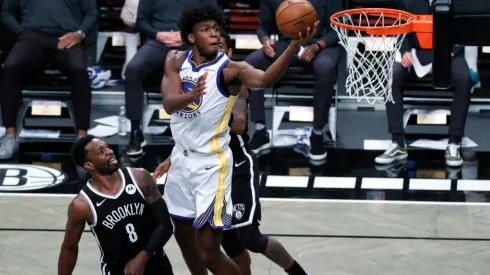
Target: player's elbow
{"type": "Point", "coordinates": [169, 107]}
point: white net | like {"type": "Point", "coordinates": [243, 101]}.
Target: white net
{"type": "Point", "coordinates": [370, 58]}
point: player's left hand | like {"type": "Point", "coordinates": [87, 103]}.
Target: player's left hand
{"type": "Point", "coordinates": [305, 37]}
{"type": "Point", "coordinates": [69, 40]}
{"type": "Point", "coordinates": [309, 52]}
{"type": "Point", "coordinates": [161, 169]}
{"type": "Point", "coordinates": [137, 265]}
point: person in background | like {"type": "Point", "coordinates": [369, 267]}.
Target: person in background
{"type": "Point", "coordinates": [46, 30]}
{"type": "Point", "coordinates": [129, 15]}
{"type": "Point", "coordinates": [461, 81]}
{"type": "Point", "coordinates": [322, 53]}
{"type": "Point", "coordinates": [157, 21]}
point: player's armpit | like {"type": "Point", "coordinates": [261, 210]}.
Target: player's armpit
{"type": "Point", "coordinates": [77, 217]}
{"type": "Point", "coordinates": [172, 97]}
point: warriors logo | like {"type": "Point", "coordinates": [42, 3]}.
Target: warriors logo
{"type": "Point", "coordinates": [187, 86]}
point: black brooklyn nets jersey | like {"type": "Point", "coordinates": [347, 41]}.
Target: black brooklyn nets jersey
{"type": "Point", "coordinates": [122, 223]}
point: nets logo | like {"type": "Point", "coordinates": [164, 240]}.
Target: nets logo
{"type": "Point", "coordinates": [24, 177]}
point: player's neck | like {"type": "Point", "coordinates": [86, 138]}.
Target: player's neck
{"type": "Point", "coordinates": [199, 59]}
{"type": "Point", "coordinates": [109, 184]}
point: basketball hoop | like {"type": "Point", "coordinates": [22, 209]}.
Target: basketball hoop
{"type": "Point", "coordinates": [381, 32]}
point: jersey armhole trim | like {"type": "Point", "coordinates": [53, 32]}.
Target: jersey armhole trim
{"type": "Point", "coordinates": [220, 86]}
{"type": "Point", "coordinates": [92, 208]}
{"type": "Point", "coordinates": [130, 172]}
{"type": "Point", "coordinates": [185, 59]}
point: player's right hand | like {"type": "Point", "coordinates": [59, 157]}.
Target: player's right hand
{"type": "Point", "coordinates": [269, 48]}
{"type": "Point", "coordinates": [161, 169]}
{"type": "Point", "coordinates": [198, 90]}
{"type": "Point", "coordinates": [407, 59]}
{"type": "Point", "coordinates": [303, 38]}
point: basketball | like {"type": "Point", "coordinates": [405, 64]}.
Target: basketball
{"type": "Point", "coordinates": [295, 16]}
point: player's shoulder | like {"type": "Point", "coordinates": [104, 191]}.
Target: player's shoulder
{"type": "Point", "coordinates": [79, 208]}
{"type": "Point", "coordinates": [175, 57]}
{"type": "Point", "coordinates": [140, 173]}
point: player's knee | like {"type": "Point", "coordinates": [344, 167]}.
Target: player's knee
{"type": "Point", "coordinates": [253, 239]}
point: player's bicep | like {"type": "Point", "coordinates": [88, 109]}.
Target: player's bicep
{"type": "Point", "coordinates": [171, 79]}
{"type": "Point", "coordinates": [75, 224]}
{"type": "Point", "coordinates": [251, 78]}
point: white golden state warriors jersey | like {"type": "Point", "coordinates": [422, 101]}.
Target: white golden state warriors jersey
{"type": "Point", "coordinates": [202, 126]}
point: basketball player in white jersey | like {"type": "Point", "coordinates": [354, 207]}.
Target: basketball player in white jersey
{"type": "Point", "coordinates": [125, 212]}
{"type": "Point", "coordinates": [244, 234]}
{"type": "Point", "coordinates": [197, 91]}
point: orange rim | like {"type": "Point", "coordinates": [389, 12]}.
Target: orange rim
{"type": "Point", "coordinates": [421, 24]}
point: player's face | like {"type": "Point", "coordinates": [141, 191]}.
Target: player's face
{"type": "Point", "coordinates": [224, 47]}
{"type": "Point", "coordinates": [206, 37]}
{"type": "Point", "coordinates": [100, 158]}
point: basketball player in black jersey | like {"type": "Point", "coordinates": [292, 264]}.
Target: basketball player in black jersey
{"type": "Point", "coordinates": [245, 234]}
{"type": "Point", "coordinates": [125, 212]}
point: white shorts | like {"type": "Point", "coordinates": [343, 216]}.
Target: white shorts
{"type": "Point", "coordinates": [198, 187]}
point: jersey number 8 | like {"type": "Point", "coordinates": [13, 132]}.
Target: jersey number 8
{"type": "Point", "coordinates": [133, 237]}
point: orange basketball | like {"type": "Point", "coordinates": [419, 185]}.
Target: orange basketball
{"type": "Point", "coordinates": [295, 16]}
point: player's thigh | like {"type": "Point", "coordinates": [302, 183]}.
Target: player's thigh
{"type": "Point", "coordinates": [178, 191]}
{"type": "Point", "coordinates": [244, 191]}
{"type": "Point", "coordinates": [231, 243]}
{"type": "Point", "coordinates": [212, 179]}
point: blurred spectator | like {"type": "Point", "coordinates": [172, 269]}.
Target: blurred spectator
{"type": "Point", "coordinates": [129, 14]}
{"type": "Point", "coordinates": [461, 80]}
{"type": "Point", "coordinates": [47, 30]}
{"type": "Point", "coordinates": [157, 20]}
{"type": "Point", "coordinates": [322, 53]}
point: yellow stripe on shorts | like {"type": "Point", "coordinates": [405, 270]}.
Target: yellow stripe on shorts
{"type": "Point", "coordinates": [223, 160]}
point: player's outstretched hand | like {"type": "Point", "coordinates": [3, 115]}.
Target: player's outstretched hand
{"type": "Point", "coordinates": [137, 265]}
{"type": "Point", "coordinates": [198, 90]}
{"type": "Point", "coordinates": [304, 37]}
{"type": "Point", "coordinates": [161, 169]}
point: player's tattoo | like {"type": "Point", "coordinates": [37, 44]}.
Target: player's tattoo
{"type": "Point", "coordinates": [147, 185]}
{"type": "Point", "coordinates": [276, 252]}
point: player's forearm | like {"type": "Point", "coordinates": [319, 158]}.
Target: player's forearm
{"type": "Point", "coordinates": [67, 261]}
{"type": "Point", "coordinates": [164, 229]}
{"type": "Point", "coordinates": [272, 75]}
{"type": "Point", "coordinates": [175, 102]}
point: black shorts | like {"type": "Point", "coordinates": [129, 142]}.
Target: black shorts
{"type": "Point", "coordinates": [159, 264]}
{"type": "Point", "coordinates": [245, 189]}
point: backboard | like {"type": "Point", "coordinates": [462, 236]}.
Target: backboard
{"type": "Point", "coordinates": [456, 22]}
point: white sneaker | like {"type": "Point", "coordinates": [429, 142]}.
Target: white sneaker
{"type": "Point", "coordinates": [393, 153]}
{"type": "Point", "coordinates": [453, 156]}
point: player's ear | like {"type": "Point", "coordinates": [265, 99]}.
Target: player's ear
{"type": "Point", "coordinates": [230, 52]}
{"type": "Point", "coordinates": [191, 38]}
{"type": "Point", "coordinates": [88, 166]}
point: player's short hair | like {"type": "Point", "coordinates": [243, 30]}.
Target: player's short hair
{"type": "Point", "coordinates": [227, 38]}
{"type": "Point", "coordinates": [78, 152]}
{"type": "Point", "coordinates": [194, 14]}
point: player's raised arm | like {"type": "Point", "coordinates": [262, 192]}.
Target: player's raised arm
{"type": "Point", "coordinates": [77, 213]}
{"type": "Point", "coordinates": [253, 78]}
{"type": "Point", "coordinates": [158, 207]}
{"type": "Point", "coordinates": [173, 99]}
